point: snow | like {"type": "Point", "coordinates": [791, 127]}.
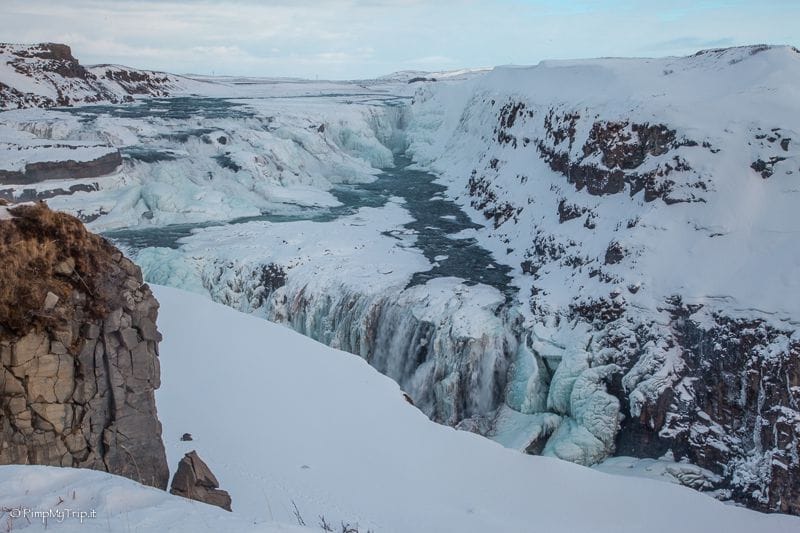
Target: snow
{"type": "Point", "coordinates": [285, 421]}
{"type": "Point", "coordinates": [69, 500]}
{"type": "Point", "coordinates": [14, 156]}
{"type": "Point", "coordinates": [664, 468]}
{"type": "Point", "coordinates": [346, 284]}
{"type": "Point", "coordinates": [676, 247]}
{"type": "Point", "coordinates": [33, 78]}
{"type": "Point", "coordinates": [281, 419]}
{"type": "Point", "coordinates": [226, 261]}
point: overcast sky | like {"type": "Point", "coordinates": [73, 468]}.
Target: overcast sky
{"type": "Point", "coordinates": [363, 38]}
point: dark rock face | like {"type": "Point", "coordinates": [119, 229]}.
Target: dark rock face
{"type": "Point", "coordinates": [139, 82]}
{"type": "Point", "coordinates": [622, 149]}
{"type": "Point", "coordinates": [610, 159]}
{"type": "Point", "coordinates": [569, 211]}
{"type": "Point", "coordinates": [59, 52]}
{"type": "Point", "coordinates": [53, 170]}
{"type": "Point", "coordinates": [60, 56]}
{"type": "Point", "coordinates": [733, 406]}
{"type": "Point", "coordinates": [194, 480]}
{"type": "Point", "coordinates": [614, 253]}
{"type": "Point", "coordinates": [53, 65]}
{"type": "Point", "coordinates": [746, 409]}
{"type": "Point", "coordinates": [765, 168]}
{"type": "Point", "coordinates": [79, 351]}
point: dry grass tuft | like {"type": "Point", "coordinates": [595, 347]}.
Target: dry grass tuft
{"type": "Point", "coordinates": [32, 246]}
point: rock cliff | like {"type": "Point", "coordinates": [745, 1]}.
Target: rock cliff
{"type": "Point", "coordinates": [79, 350]}
{"type": "Point", "coordinates": [48, 75]}
{"type": "Point", "coordinates": [67, 169]}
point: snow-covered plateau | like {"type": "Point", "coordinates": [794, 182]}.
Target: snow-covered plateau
{"type": "Point", "coordinates": [288, 423]}
{"type": "Point", "coordinates": [591, 260]}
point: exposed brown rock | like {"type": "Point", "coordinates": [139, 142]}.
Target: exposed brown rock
{"type": "Point", "coordinates": [16, 194]}
{"type": "Point", "coordinates": [78, 351]}
{"type": "Point", "coordinates": [139, 82]}
{"type": "Point", "coordinates": [194, 480]}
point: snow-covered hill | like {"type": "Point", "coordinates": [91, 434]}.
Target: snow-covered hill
{"type": "Point", "coordinates": [648, 208]}
{"type": "Point", "coordinates": [47, 75]}
{"type": "Point", "coordinates": [283, 419]}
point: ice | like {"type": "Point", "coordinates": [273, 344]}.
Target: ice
{"type": "Point", "coordinates": [664, 468]}
{"type": "Point", "coordinates": [203, 164]}
{"type": "Point", "coordinates": [529, 381]}
{"type": "Point", "coordinates": [571, 366]}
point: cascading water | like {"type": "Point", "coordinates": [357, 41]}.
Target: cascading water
{"type": "Point", "coordinates": [447, 344]}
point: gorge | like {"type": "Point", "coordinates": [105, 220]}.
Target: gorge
{"type": "Point", "coordinates": [555, 267]}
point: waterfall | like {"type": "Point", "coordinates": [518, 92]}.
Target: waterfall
{"type": "Point", "coordinates": [447, 345]}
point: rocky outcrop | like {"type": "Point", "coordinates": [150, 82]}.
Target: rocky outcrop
{"type": "Point", "coordinates": [734, 407]}
{"type": "Point", "coordinates": [194, 480]}
{"type": "Point", "coordinates": [56, 78]}
{"type": "Point", "coordinates": [70, 169]}
{"type": "Point", "coordinates": [695, 384]}
{"type": "Point", "coordinates": [79, 350]}
{"type": "Point", "coordinates": [32, 195]}
{"type": "Point", "coordinates": [136, 82]}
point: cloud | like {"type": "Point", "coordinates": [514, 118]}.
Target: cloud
{"type": "Point", "coordinates": [361, 38]}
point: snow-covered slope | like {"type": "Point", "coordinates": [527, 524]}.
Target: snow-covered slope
{"type": "Point", "coordinates": [647, 207]}
{"type": "Point", "coordinates": [47, 75]}
{"type": "Point", "coordinates": [284, 420]}
{"type": "Point", "coordinates": [70, 500]}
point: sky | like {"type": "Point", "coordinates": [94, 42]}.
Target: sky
{"type": "Point", "coordinates": [356, 39]}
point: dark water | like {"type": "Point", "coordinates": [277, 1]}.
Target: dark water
{"type": "Point", "coordinates": [435, 221]}
{"type": "Point", "coordinates": [191, 107]}
{"type": "Point", "coordinates": [178, 108]}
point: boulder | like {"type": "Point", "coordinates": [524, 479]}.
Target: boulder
{"type": "Point", "coordinates": [194, 480]}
